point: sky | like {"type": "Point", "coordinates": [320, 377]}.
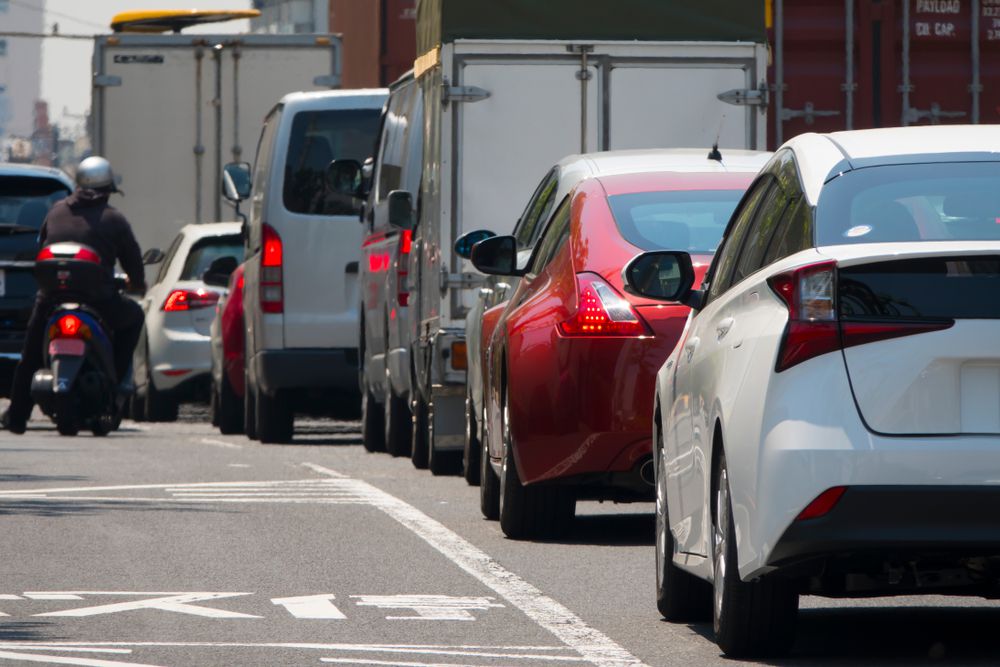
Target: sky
{"type": "Point", "coordinates": [66, 64]}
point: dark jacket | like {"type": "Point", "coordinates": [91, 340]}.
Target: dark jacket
{"type": "Point", "coordinates": [86, 217]}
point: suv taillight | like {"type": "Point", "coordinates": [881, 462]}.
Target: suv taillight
{"type": "Point", "coordinates": [601, 311]}
{"type": "Point", "coordinates": [405, 243]}
{"type": "Point", "coordinates": [272, 299]}
{"type": "Point", "coordinates": [814, 327]}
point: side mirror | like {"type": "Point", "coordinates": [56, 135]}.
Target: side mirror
{"type": "Point", "coordinates": [219, 270]}
{"type": "Point", "coordinates": [400, 204]}
{"type": "Point", "coordinates": [663, 275]}
{"type": "Point", "coordinates": [344, 177]}
{"type": "Point", "coordinates": [236, 181]}
{"type": "Point", "coordinates": [152, 256]}
{"type": "Point", "coordinates": [496, 256]}
{"type": "Point", "coordinates": [463, 246]}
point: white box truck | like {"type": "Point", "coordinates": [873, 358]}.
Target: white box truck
{"type": "Point", "coordinates": [509, 89]}
{"type": "Point", "coordinates": [169, 110]}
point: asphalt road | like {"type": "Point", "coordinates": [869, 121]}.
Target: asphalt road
{"type": "Point", "coordinates": [168, 544]}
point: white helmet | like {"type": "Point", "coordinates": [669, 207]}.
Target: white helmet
{"type": "Point", "coordinates": [94, 173]}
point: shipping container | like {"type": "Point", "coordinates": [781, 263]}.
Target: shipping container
{"type": "Point", "coordinates": [854, 64]}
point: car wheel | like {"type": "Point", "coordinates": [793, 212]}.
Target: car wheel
{"type": "Point", "coordinates": [489, 483]}
{"type": "Point", "coordinates": [213, 404]}
{"type": "Point", "coordinates": [680, 596]}
{"type": "Point", "coordinates": [440, 462]}
{"type": "Point", "coordinates": [398, 422]}
{"type": "Point", "coordinates": [160, 406]}
{"type": "Point", "coordinates": [529, 511]}
{"type": "Point", "coordinates": [751, 618]}
{"type": "Point", "coordinates": [372, 423]}
{"type": "Point", "coordinates": [421, 436]}
{"type": "Point", "coordinates": [229, 408]}
{"type": "Point", "coordinates": [275, 419]}
{"type": "Point", "coordinates": [137, 408]}
{"type": "Point", "coordinates": [249, 408]}
{"type": "Point", "coordinates": [472, 449]}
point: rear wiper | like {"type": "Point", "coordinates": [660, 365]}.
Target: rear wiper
{"type": "Point", "coordinates": [13, 228]}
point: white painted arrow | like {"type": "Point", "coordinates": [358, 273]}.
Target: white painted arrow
{"type": "Point", "coordinates": [311, 606]}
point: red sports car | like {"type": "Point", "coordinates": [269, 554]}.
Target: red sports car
{"type": "Point", "coordinates": [227, 358]}
{"type": "Point", "coordinates": [570, 362]}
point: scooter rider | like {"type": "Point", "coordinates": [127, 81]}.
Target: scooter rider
{"type": "Point", "coordinates": [85, 217]}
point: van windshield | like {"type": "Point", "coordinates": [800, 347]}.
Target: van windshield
{"type": "Point", "coordinates": [318, 138]}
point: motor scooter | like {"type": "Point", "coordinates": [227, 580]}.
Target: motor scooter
{"type": "Point", "coordinates": [77, 385]}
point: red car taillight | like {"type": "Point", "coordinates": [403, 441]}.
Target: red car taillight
{"type": "Point", "coordinates": [822, 504]}
{"type": "Point", "coordinates": [405, 243]}
{"type": "Point", "coordinates": [185, 299]}
{"type": "Point", "coordinates": [601, 311]}
{"type": "Point", "coordinates": [814, 328]}
{"type": "Point", "coordinates": [272, 299]}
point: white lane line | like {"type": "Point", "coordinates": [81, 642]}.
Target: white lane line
{"type": "Point", "coordinates": [569, 628]}
{"type": "Point", "coordinates": [140, 487]}
{"type": "Point", "coordinates": [219, 443]}
{"type": "Point", "coordinates": [392, 663]}
{"type": "Point", "coordinates": [67, 649]}
{"type": "Point", "coordinates": [67, 660]}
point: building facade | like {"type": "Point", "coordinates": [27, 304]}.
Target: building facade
{"type": "Point", "coordinates": [20, 67]}
{"type": "Point", "coordinates": [292, 16]}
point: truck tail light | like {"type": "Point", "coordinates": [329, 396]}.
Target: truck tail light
{"type": "Point", "coordinates": [402, 264]}
{"type": "Point", "coordinates": [272, 299]}
{"type": "Point", "coordinates": [601, 311]}
{"type": "Point", "coordinates": [185, 299]}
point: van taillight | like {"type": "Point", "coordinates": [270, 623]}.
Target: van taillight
{"type": "Point", "coordinates": [814, 327]}
{"type": "Point", "coordinates": [601, 311]}
{"type": "Point", "coordinates": [272, 298]}
{"type": "Point", "coordinates": [402, 291]}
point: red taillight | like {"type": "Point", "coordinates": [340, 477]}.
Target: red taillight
{"type": "Point", "coordinates": [601, 311]}
{"type": "Point", "coordinates": [87, 255]}
{"type": "Point", "coordinates": [823, 503]}
{"type": "Point", "coordinates": [44, 254]}
{"type": "Point", "coordinates": [272, 298]}
{"type": "Point", "coordinates": [405, 244]}
{"type": "Point", "coordinates": [185, 299]}
{"type": "Point", "coordinates": [64, 249]}
{"type": "Point", "coordinates": [69, 326]}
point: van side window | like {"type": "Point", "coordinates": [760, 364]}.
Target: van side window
{"type": "Point", "coordinates": [391, 152]}
{"type": "Point", "coordinates": [265, 147]}
{"type": "Point", "coordinates": [317, 138]}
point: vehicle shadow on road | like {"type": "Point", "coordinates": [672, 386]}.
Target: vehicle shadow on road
{"type": "Point", "coordinates": [23, 631]}
{"type": "Point", "coordinates": [34, 479]}
{"type": "Point", "coordinates": [622, 530]}
{"type": "Point", "coordinates": [45, 508]}
{"type": "Point", "coordinates": [327, 433]}
{"type": "Point", "coordinates": [891, 636]}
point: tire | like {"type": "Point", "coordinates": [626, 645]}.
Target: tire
{"type": "Point", "coordinates": [137, 408]}
{"type": "Point", "coordinates": [489, 483]}
{"type": "Point", "coordinates": [529, 511]}
{"type": "Point", "coordinates": [274, 417]}
{"type": "Point", "coordinates": [213, 404]}
{"type": "Point", "coordinates": [229, 408]}
{"type": "Point", "coordinates": [249, 408]}
{"type": "Point", "coordinates": [160, 406]}
{"type": "Point", "coordinates": [420, 437]}
{"type": "Point", "coordinates": [680, 596]}
{"type": "Point", "coordinates": [439, 462]}
{"type": "Point", "coordinates": [398, 422]}
{"type": "Point", "coordinates": [472, 450]}
{"type": "Point", "coordinates": [372, 423]}
{"type": "Point", "coordinates": [752, 619]}
{"type": "Point", "coordinates": [66, 421]}
{"type": "Point", "coordinates": [102, 425]}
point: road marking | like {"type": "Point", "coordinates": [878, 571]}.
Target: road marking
{"type": "Point", "coordinates": [311, 606]}
{"type": "Point", "coordinates": [175, 602]}
{"type": "Point", "coordinates": [569, 628]}
{"type": "Point", "coordinates": [52, 596]}
{"type": "Point", "coordinates": [219, 443]}
{"type": "Point", "coordinates": [428, 607]}
{"type": "Point", "coordinates": [67, 660]}
{"type": "Point", "coordinates": [391, 663]}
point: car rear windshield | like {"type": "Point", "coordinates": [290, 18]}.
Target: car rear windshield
{"type": "Point", "coordinates": [206, 251]}
{"type": "Point", "coordinates": [318, 138]}
{"type": "Point", "coordinates": [944, 201]}
{"type": "Point", "coordinates": [691, 220]}
{"type": "Point", "coordinates": [24, 201]}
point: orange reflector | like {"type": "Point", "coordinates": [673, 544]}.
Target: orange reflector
{"type": "Point", "coordinates": [459, 360]}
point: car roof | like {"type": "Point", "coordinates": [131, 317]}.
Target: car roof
{"type": "Point", "coordinates": [362, 98]}
{"type": "Point", "coordinates": [820, 156]}
{"type": "Point", "coordinates": [664, 181]}
{"type": "Point", "coordinates": [197, 231]}
{"type": "Point", "coordinates": [29, 170]}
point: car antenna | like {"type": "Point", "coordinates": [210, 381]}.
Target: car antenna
{"type": "Point", "coordinates": [714, 154]}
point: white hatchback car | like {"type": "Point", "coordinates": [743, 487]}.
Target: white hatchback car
{"type": "Point", "coordinates": [829, 423]}
{"type": "Point", "coordinates": [173, 358]}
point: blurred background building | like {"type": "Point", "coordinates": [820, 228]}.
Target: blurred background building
{"type": "Point", "coordinates": [20, 64]}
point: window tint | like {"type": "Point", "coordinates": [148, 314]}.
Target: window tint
{"type": "Point", "coordinates": [760, 233]}
{"type": "Point", "coordinates": [25, 200]}
{"type": "Point", "coordinates": [554, 236]}
{"type": "Point", "coordinates": [911, 202]}
{"type": "Point", "coordinates": [206, 251]}
{"type": "Point", "coordinates": [794, 233]}
{"type": "Point", "coordinates": [168, 258]}
{"type": "Point", "coordinates": [678, 220]}
{"type": "Point", "coordinates": [725, 261]}
{"type": "Point", "coordinates": [317, 138]}
{"type": "Point", "coordinates": [537, 212]}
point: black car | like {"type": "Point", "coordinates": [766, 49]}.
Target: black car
{"type": "Point", "coordinates": [26, 194]}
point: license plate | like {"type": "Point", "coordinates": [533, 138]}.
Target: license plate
{"type": "Point", "coordinates": [3, 283]}
{"type": "Point", "coordinates": [71, 347]}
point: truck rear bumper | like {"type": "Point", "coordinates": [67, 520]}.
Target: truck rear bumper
{"type": "Point", "coordinates": [335, 369]}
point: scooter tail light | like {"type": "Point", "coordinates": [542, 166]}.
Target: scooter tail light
{"type": "Point", "coordinates": [69, 326]}
{"type": "Point", "coordinates": [601, 311]}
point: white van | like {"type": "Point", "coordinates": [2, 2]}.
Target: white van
{"type": "Point", "coordinates": [302, 238]}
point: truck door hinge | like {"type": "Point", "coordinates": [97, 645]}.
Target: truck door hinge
{"type": "Point", "coordinates": [756, 97]}
{"type": "Point", "coordinates": [464, 94]}
{"type": "Point", "coordinates": [106, 81]}
{"type": "Point", "coordinates": [461, 280]}
{"type": "Point", "coordinates": [935, 114]}
{"type": "Point", "coordinates": [809, 113]}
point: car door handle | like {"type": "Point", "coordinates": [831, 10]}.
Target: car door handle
{"type": "Point", "coordinates": [723, 327]}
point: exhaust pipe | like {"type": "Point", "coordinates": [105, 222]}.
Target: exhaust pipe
{"type": "Point", "coordinates": [646, 473]}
